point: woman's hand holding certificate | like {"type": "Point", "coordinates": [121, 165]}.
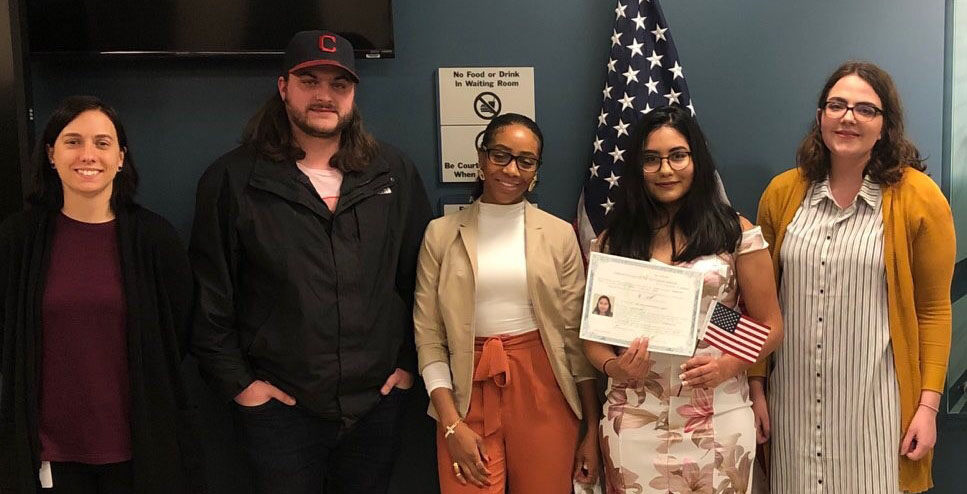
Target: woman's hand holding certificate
{"type": "Point", "coordinates": [632, 364]}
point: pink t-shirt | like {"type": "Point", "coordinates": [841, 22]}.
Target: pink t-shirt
{"type": "Point", "coordinates": [326, 182]}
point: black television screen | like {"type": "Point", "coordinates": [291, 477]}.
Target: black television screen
{"type": "Point", "coordinates": [203, 27]}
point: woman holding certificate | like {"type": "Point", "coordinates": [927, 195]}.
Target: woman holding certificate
{"type": "Point", "coordinates": [672, 423]}
{"type": "Point", "coordinates": [863, 242]}
{"type": "Point", "coordinates": [498, 302]}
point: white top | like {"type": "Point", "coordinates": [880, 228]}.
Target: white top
{"type": "Point", "coordinates": [834, 399]}
{"type": "Point", "coordinates": [502, 304]}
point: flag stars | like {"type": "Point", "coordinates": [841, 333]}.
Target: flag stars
{"type": "Point", "coordinates": [612, 180]}
{"type": "Point", "coordinates": [631, 75]}
{"type": "Point", "coordinates": [626, 102]}
{"type": "Point", "coordinates": [611, 65]}
{"type": "Point", "coordinates": [598, 142]}
{"type": "Point", "coordinates": [619, 11]}
{"type": "Point", "coordinates": [672, 96]}
{"type": "Point", "coordinates": [659, 33]}
{"type": "Point", "coordinates": [607, 91]}
{"type": "Point", "coordinates": [602, 119]}
{"type": "Point", "coordinates": [646, 109]}
{"type": "Point", "coordinates": [691, 108]}
{"type": "Point", "coordinates": [615, 38]}
{"type": "Point", "coordinates": [639, 21]}
{"type": "Point", "coordinates": [676, 71]}
{"type": "Point", "coordinates": [655, 59]}
{"type": "Point", "coordinates": [594, 169]}
{"type": "Point", "coordinates": [635, 48]}
{"type": "Point", "coordinates": [617, 155]}
{"type": "Point", "coordinates": [622, 129]}
{"type": "Point", "coordinates": [652, 85]}
{"type": "Point", "coordinates": [607, 205]}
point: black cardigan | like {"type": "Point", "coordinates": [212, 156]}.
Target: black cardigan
{"type": "Point", "coordinates": [158, 293]}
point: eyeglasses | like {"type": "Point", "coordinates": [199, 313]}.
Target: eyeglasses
{"type": "Point", "coordinates": [863, 112]}
{"type": "Point", "coordinates": [678, 160]}
{"type": "Point", "coordinates": [503, 158]}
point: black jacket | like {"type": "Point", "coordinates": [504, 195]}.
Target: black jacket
{"type": "Point", "coordinates": [157, 289]}
{"type": "Point", "coordinates": [318, 303]}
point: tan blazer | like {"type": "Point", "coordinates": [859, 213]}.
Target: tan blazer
{"type": "Point", "coordinates": [445, 282]}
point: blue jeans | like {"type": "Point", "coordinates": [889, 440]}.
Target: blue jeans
{"type": "Point", "coordinates": [294, 452]}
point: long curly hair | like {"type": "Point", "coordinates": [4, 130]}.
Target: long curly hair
{"type": "Point", "coordinates": [890, 154]}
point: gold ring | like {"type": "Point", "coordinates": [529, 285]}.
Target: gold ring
{"type": "Point", "coordinates": [456, 469]}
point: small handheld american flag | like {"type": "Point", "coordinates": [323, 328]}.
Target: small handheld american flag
{"type": "Point", "coordinates": [735, 334]}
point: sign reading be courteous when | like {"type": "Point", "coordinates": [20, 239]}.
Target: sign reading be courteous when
{"type": "Point", "coordinates": [469, 98]}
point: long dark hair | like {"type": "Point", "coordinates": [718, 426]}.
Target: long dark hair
{"type": "Point", "coordinates": [889, 155]}
{"type": "Point", "coordinates": [499, 122]}
{"type": "Point", "coordinates": [45, 188]}
{"type": "Point", "coordinates": [709, 225]}
{"type": "Point", "coordinates": [270, 133]}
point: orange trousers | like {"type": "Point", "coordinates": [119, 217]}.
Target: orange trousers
{"type": "Point", "coordinates": [529, 430]}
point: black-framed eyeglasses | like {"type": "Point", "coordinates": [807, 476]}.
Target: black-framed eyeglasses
{"type": "Point", "coordinates": [503, 158]}
{"type": "Point", "coordinates": [677, 160]}
{"type": "Point", "coordinates": [864, 112]}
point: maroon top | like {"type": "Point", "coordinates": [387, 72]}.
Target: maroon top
{"type": "Point", "coordinates": [85, 388]}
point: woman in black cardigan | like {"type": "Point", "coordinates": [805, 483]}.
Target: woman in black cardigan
{"type": "Point", "coordinates": [96, 295]}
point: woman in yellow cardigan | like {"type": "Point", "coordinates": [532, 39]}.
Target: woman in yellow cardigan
{"type": "Point", "coordinates": [863, 245]}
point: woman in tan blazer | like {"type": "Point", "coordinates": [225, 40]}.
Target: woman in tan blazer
{"type": "Point", "coordinates": [498, 303]}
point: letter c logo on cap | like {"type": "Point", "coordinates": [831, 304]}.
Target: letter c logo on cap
{"type": "Point", "coordinates": [327, 43]}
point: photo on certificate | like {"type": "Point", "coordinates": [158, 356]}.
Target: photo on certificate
{"type": "Point", "coordinates": [627, 298]}
{"type": "Point", "coordinates": [603, 305]}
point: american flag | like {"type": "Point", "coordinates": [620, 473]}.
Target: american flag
{"type": "Point", "coordinates": [735, 334]}
{"type": "Point", "coordinates": [643, 74]}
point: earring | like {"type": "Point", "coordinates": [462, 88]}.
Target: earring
{"type": "Point", "coordinates": [53, 166]}
{"type": "Point", "coordinates": [119, 167]}
{"type": "Point", "coordinates": [530, 188]}
{"type": "Point", "coordinates": [480, 175]}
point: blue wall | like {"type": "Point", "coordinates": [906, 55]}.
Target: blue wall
{"type": "Point", "coordinates": [754, 68]}
{"type": "Point", "coordinates": [181, 115]}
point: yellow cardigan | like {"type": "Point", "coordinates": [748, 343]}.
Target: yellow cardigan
{"type": "Point", "coordinates": [919, 253]}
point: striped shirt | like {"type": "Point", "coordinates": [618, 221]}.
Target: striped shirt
{"type": "Point", "coordinates": [834, 398]}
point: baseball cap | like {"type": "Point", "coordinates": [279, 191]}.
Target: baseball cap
{"type": "Point", "coordinates": [313, 48]}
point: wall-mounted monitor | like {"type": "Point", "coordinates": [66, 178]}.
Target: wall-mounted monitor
{"type": "Point", "coordinates": [202, 27]}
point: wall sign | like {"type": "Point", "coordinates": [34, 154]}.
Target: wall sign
{"type": "Point", "coordinates": [469, 98]}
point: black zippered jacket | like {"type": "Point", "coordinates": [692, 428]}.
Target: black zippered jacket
{"type": "Point", "coordinates": [317, 302]}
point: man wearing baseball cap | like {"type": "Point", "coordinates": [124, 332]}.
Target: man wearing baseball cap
{"type": "Point", "coordinates": [304, 247]}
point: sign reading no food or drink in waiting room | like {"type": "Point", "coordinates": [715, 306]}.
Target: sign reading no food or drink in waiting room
{"type": "Point", "coordinates": [469, 98]}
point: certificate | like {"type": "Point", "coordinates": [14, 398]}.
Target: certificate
{"type": "Point", "coordinates": [627, 298]}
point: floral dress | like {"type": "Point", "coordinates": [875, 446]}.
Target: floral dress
{"type": "Point", "coordinates": [660, 438]}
